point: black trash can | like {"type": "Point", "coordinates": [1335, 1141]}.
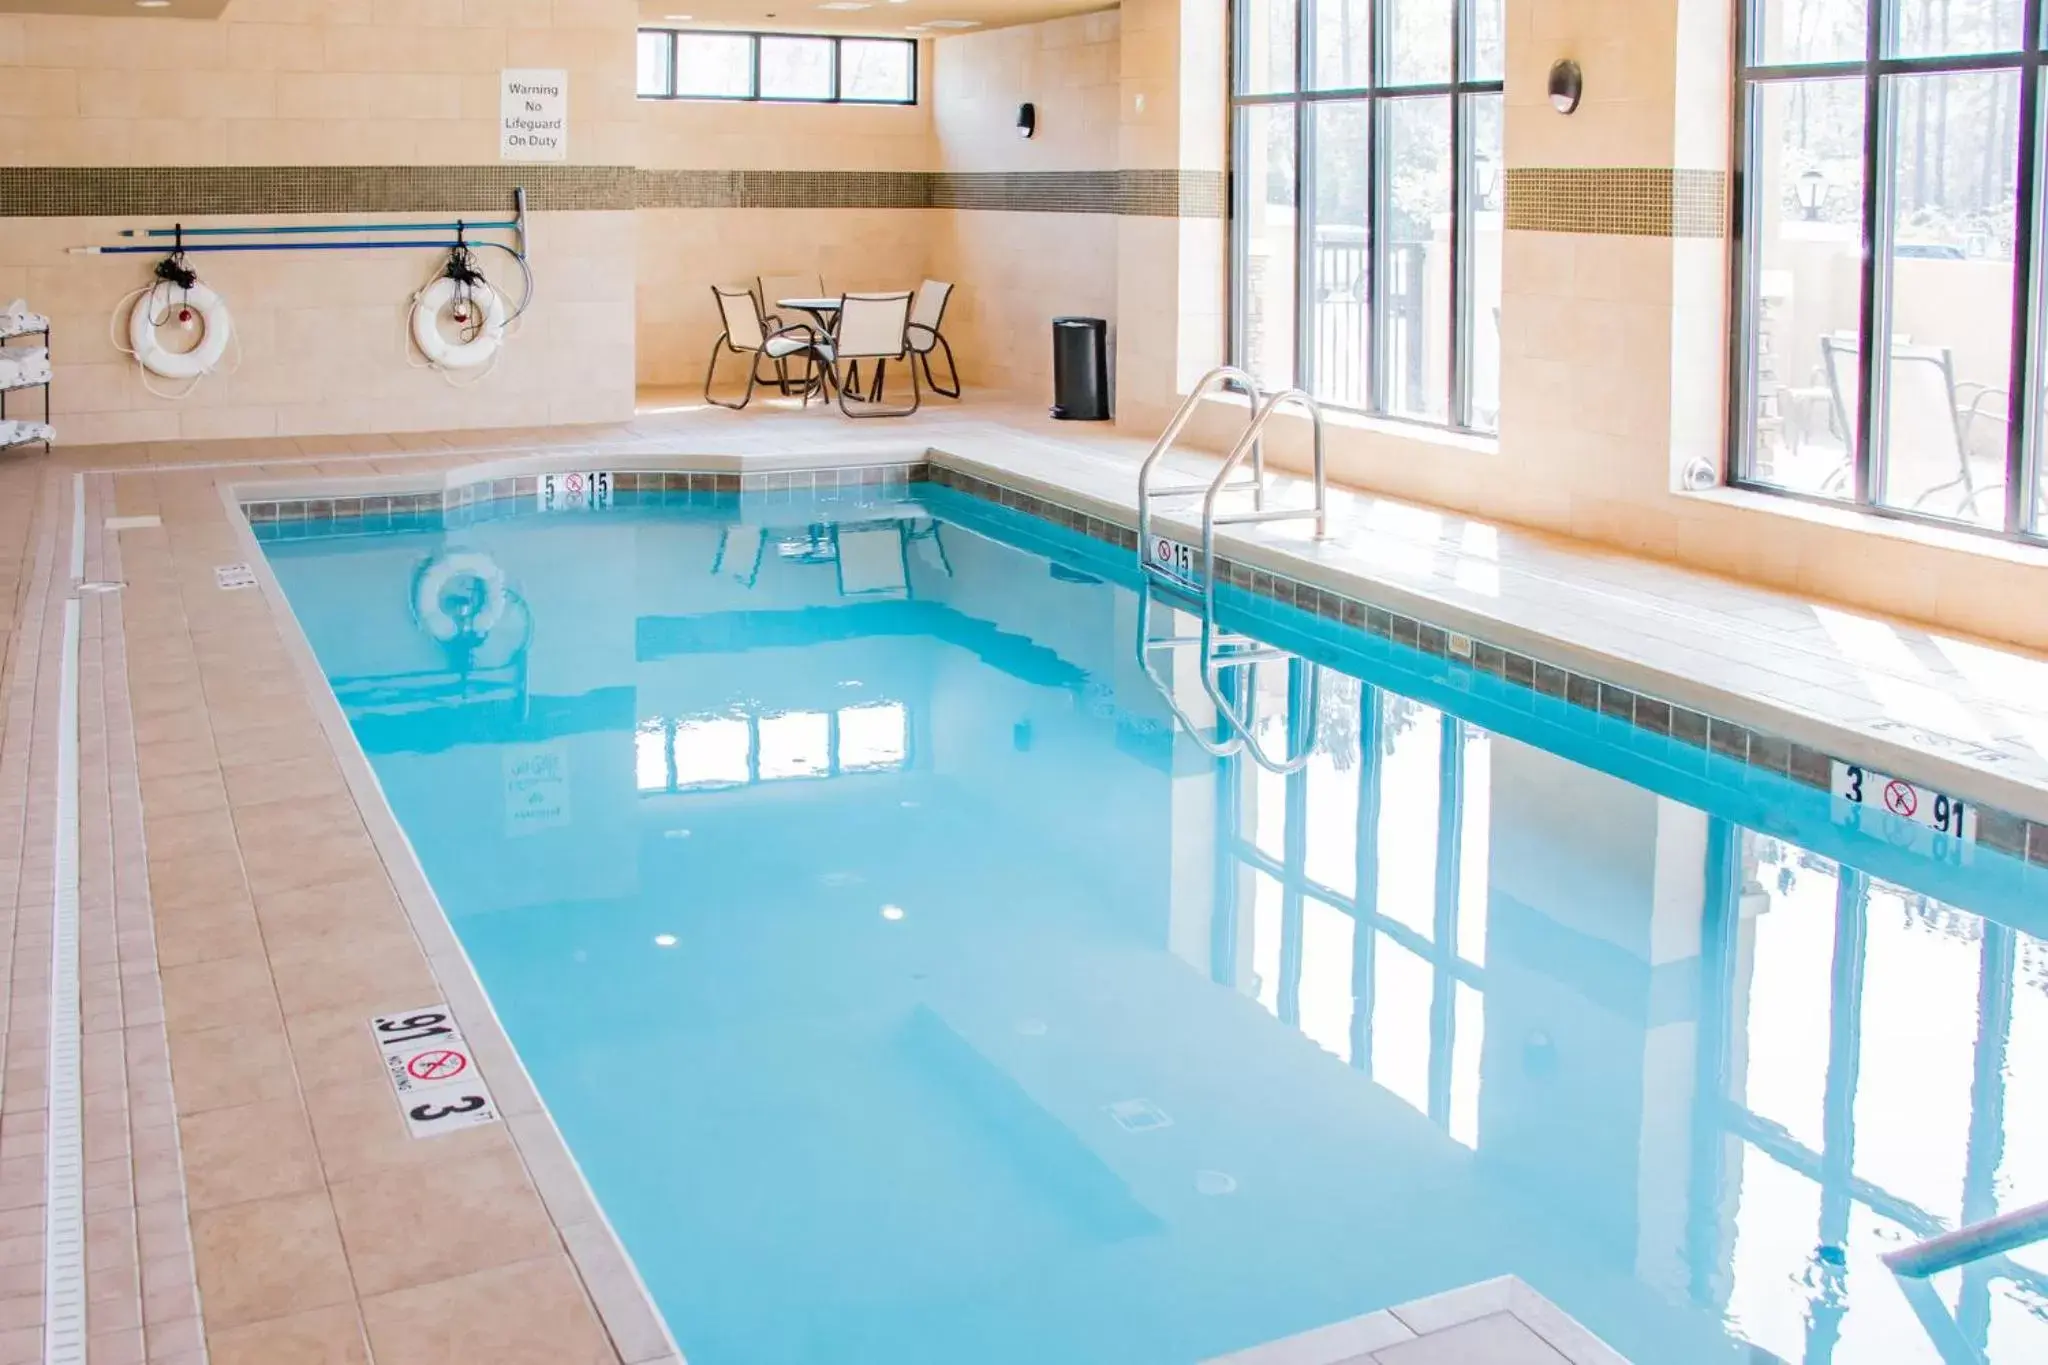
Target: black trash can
{"type": "Point", "coordinates": [1080, 369]}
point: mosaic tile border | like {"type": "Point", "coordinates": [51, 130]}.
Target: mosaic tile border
{"type": "Point", "coordinates": [1624, 201]}
{"type": "Point", "coordinates": [1128, 193]}
{"type": "Point", "coordinates": [489, 499]}
{"type": "Point", "coordinates": [482, 500]}
{"type": "Point", "coordinates": [167, 191]}
{"type": "Point", "coordinates": [1996, 829]}
{"type": "Point", "coordinates": [163, 191]}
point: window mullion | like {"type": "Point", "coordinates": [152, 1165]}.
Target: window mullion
{"type": "Point", "coordinates": [1458, 408]}
{"type": "Point", "coordinates": [1871, 328]}
{"type": "Point", "coordinates": [1375, 213]}
{"type": "Point", "coordinates": [2023, 408]}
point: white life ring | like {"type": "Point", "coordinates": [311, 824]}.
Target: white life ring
{"type": "Point", "coordinates": [159, 300]}
{"type": "Point", "coordinates": [430, 606]}
{"type": "Point", "coordinates": [457, 355]}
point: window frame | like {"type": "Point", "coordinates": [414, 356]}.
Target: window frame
{"type": "Point", "coordinates": [2025, 517]}
{"type": "Point", "coordinates": [1380, 92]}
{"type": "Point", "coordinates": [754, 95]}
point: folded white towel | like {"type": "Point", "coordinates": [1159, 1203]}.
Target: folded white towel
{"type": "Point", "coordinates": [22, 365]}
{"type": "Point", "coordinates": [14, 433]}
{"type": "Point", "coordinates": [16, 320]}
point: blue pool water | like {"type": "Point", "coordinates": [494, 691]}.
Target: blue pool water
{"type": "Point", "coordinates": [909, 992]}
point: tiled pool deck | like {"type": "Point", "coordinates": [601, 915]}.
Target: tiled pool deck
{"type": "Point", "coordinates": [244, 903]}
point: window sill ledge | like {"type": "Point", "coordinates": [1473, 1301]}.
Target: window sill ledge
{"type": "Point", "coordinates": [1443, 438]}
{"type": "Point", "coordinates": [1872, 524]}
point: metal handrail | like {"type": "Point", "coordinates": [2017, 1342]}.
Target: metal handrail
{"type": "Point", "coordinates": [1947, 1250]}
{"type": "Point", "coordinates": [1246, 444]}
{"type": "Point", "coordinates": [1221, 375]}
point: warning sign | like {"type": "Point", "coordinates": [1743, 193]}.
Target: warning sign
{"type": "Point", "coordinates": [432, 1071]}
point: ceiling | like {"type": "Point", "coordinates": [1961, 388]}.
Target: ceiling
{"type": "Point", "coordinates": [879, 16]}
{"type": "Point", "coordinates": [176, 9]}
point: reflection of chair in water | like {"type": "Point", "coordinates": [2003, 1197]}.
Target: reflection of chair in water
{"type": "Point", "coordinates": [1931, 422]}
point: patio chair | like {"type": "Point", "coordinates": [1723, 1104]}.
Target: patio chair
{"type": "Point", "coordinates": [747, 333]}
{"type": "Point", "coordinates": [792, 286]}
{"type": "Point", "coordinates": [871, 327]}
{"type": "Point", "coordinates": [926, 311]}
{"type": "Point", "coordinates": [1930, 425]}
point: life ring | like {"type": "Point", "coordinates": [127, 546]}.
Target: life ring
{"type": "Point", "coordinates": [158, 300]}
{"type": "Point", "coordinates": [430, 595]}
{"type": "Point", "coordinates": [457, 355]}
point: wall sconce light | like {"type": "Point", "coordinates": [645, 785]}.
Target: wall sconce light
{"type": "Point", "coordinates": [1567, 86]}
{"type": "Point", "coordinates": [1027, 120]}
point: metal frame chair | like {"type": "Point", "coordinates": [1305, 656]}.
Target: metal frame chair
{"type": "Point", "coordinates": [747, 333]}
{"type": "Point", "coordinates": [871, 327]}
{"type": "Point", "coordinates": [926, 312]}
{"type": "Point", "coordinates": [1932, 418]}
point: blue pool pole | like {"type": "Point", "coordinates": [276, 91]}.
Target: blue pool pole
{"type": "Point", "coordinates": [325, 229]}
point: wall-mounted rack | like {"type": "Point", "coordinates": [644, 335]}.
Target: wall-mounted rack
{"type": "Point", "coordinates": [7, 339]}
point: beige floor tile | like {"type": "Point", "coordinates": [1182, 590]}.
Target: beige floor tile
{"type": "Point", "coordinates": [200, 933]}
{"type": "Point", "coordinates": [269, 1258]}
{"type": "Point", "coordinates": [532, 1313]}
{"type": "Point", "coordinates": [334, 1047]}
{"type": "Point", "coordinates": [184, 795]}
{"type": "Point", "coordinates": [205, 834]}
{"type": "Point", "coordinates": [359, 1130]}
{"type": "Point", "coordinates": [279, 865]}
{"type": "Point", "coordinates": [472, 1215]}
{"type": "Point", "coordinates": [251, 1151]}
{"type": "Point", "coordinates": [269, 743]}
{"type": "Point", "coordinates": [225, 992]}
{"type": "Point", "coordinates": [177, 882]}
{"type": "Point", "coordinates": [372, 972]}
{"type": "Point", "coordinates": [323, 1336]}
{"type": "Point", "coordinates": [334, 914]}
{"type": "Point", "coordinates": [236, 1064]}
{"type": "Point", "coordinates": [288, 780]}
{"type": "Point", "coordinates": [176, 758]}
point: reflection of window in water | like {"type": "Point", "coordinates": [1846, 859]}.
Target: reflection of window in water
{"type": "Point", "coordinates": [1887, 1063]}
{"type": "Point", "coordinates": [1393, 808]}
{"type": "Point", "coordinates": [875, 736]}
{"type": "Point", "coordinates": [650, 757]}
{"type": "Point", "coordinates": [795, 744]}
{"type": "Point", "coordinates": [711, 752]}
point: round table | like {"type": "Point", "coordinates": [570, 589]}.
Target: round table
{"type": "Point", "coordinates": [823, 309]}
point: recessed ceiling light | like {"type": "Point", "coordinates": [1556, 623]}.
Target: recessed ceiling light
{"type": "Point", "coordinates": [952, 23]}
{"type": "Point", "coordinates": [846, 4]}
{"type": "Point", "coordinates": [152, 4]}
{"type": "Point", "coordinates": [678, 18]}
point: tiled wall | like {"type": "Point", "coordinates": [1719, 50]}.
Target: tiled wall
{"type": "Point", "coordinates": [1019, 270]}
{"type": "Point", "coordinates": [824, 155]}
{"type": "Point", "coordinates": [258, 110]}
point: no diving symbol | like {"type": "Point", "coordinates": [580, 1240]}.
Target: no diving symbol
{"type": "Point", "coordinates": [438, 1065]}
{"type": "Point", "coordinates": [574, 483]}
{"type": "Point", "coordinates": [1900, 799]}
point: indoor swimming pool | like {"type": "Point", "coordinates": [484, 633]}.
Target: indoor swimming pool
{"type": "Point", "coordinates": [909, 991]}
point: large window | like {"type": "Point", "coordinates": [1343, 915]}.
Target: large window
{"type": "Point", "coordinates": [686, 65]}
{"type": "Point", "coordinates": [1889, 294]}
{"type": "Point", "coordinates": [1367, 225]}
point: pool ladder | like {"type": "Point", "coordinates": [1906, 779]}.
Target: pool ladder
{"type": "Point", "coordinates": [1222, 650]}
